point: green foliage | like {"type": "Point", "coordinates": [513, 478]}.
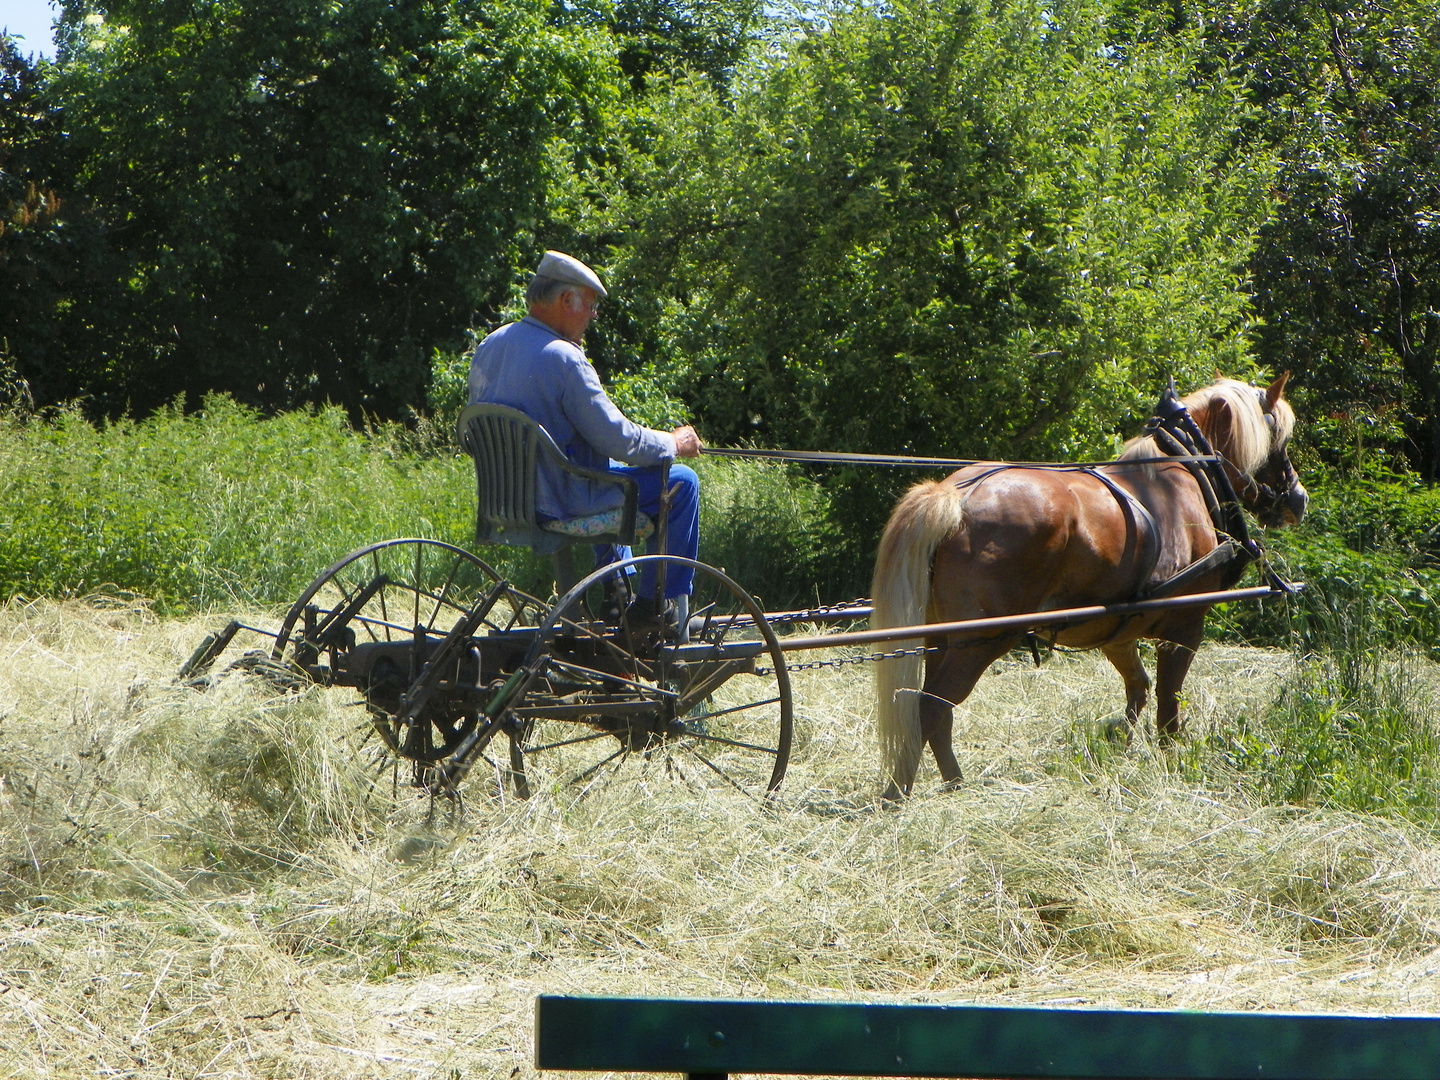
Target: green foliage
{"type": "Point", "coordinates": [642, 397]}
{"type": "Point", "coordinates": [222, 508]}
{"type": "Point", "coordinates": [309, 198]}
{"type": "Point", "coordinates": [770, 529]}
{"type": "Point", "coordinates": [49, 245]}
{"type": "Point", "coordinates": [16, 399]}
{"type": "Point", "coordinates": [1352, 728]}
{"type": "Point", "coordinates": [1368, 545]}
{"type": "Point", "coordinates": [655, 37]}
{"type": "Point", "coordinates": [1344, 273]}
{"type": "Point", "coordinates": [922, 229]}
{"type": "Point", "coordinates": [213, 509]}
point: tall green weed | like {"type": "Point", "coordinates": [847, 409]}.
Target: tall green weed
{"type": "Point", "coordinates": [1351, 728]}
{"type": "Point", "coordinates": [770, 528]}
{"type": "Point", "coordinates": [211, 509]}
{"type": "Point", "coordinates": [222, 507]}
{"type": "Point", "coordinates": [1370, 544]}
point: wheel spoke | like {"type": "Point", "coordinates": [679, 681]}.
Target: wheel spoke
{"type": "Point", "coordinates": [384, 613]}
{"type": "Point", "coordinates": [584, 663]}
{"type": "Point", "coordinates": [735, 709]}
{"type": "Point", "coordinates": [393, 598]}
{"type": "Point", "coordinates": [730, 742]}
{"type": "Point", "coordinates": [591, 673]}
{"type": "Point", "coordinates": [602, 684]}
{"type": "Point", "coordinates": [528, 750]}
{"type": "Point", "coordinates": [444, 592]}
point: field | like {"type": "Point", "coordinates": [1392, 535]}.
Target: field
{"type": "Point", "coordinates": [206, 884]}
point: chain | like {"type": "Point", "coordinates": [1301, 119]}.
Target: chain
{"type": "Point", "coordinates": [810, 614]}
{"type": "Point", "coordinates": [843, 661]}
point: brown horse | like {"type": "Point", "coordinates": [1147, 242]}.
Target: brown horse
{"type": "Point", "coordinates": [993, 539]}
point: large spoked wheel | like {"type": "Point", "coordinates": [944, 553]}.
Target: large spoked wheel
{"type": "Point", "coordinates": [713, 712]}
{"type": "Point", "coordinates": [377, 616]}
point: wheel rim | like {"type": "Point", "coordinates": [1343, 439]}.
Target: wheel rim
{"type": "Point", "coordinates": [688, 712]}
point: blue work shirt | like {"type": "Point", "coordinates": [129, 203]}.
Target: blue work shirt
{"type": "Point", "coordinates": [530, 367]}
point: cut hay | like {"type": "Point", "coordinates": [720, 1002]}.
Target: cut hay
{"type": "Point", "coordinates": [218, 884]}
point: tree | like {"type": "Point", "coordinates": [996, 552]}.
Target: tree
{"type": "Point", "coordinates": [655, 38]}
{"type": "Point", "coordinates": [1347, 274]}
{"type": "Point", "coordinates": [310, 197]}
{"type": "Point", "coordinates": [920, 228]}
{"type": "Point", "coordinates": [51, 251]}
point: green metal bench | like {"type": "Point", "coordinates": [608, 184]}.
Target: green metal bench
{"type": "Point", "coordinates": [709, 1039]}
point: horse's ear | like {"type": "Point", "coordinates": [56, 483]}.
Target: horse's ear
{"type": "Point", "coordinates": [1275, 391]}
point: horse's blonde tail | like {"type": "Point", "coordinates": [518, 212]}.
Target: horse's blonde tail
{"type": "Point", "coordinates": [927, 514]}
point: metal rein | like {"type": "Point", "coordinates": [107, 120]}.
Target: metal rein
{"type": "Point", "coordinates": [820, 457]}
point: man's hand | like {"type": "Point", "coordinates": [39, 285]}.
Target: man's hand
{"type": "Point", "coordinates": [687, 443]}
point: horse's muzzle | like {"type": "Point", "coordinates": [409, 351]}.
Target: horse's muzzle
{"type": "Point", "coordinates": [1291, 509]}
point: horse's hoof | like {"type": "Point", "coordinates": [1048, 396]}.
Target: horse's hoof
{"type": "Point", "coordinates": [1170, 740]}
{"type": "Point", "coordinates": [1117, 730]}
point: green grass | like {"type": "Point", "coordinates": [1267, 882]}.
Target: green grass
{"type": "Point", "coordinates": [1354, 725]}
{"type": "Point", "coordinates": [212, 509]}
{"type": "Point", "coordinates": [221, 508]}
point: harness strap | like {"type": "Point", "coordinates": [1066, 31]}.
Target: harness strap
{"type": "Point", "coordinates": [1147, 532]}
{"type": "Point", "coordinates": [1219, 556]}
{"type": "Point", "coordinates": [1182, 442]}
{"type": "Point", "coordinates": [1176, 432]}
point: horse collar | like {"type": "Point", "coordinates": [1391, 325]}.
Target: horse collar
{"type": "Point", "coordinates": [1176, 433]}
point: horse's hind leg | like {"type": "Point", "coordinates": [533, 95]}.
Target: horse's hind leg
{"type": "Point", "coordinates": [949, 677]}
{"type": "Point", "coordinates": [1125, 656]}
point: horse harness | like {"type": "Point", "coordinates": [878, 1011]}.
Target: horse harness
{"type": "Point", "coordinates": [1179, 438]}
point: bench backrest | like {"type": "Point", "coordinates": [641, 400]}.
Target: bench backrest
{"type": "Point", "coordinates": [978, 1041]}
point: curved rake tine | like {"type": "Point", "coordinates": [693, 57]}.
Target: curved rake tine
{"type": "Point", "coordinates": [722, 774]}
{"type": "Point", "coordinates": [704, 613]}
{"type": "Point", "coordinates": [673, 766]}
{"type": "Point", "coordinates": [515, 615]}
{"type": "Point", "coordinates": [624, 750]}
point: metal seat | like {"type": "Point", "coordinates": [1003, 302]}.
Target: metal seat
{"type": "Point", "coordinates": [507, 447]}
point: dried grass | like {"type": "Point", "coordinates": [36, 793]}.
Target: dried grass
{"type": "Point", "coordinates": [208, 884]}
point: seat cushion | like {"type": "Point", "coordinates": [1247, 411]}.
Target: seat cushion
{"type": "Point", "coordinates": [607, 522]}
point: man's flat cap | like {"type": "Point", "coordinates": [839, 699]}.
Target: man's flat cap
{"type": "Point", "coordinates": [567, 268]}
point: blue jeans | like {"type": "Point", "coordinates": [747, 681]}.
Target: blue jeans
{"type": "Point", "coordinates": [684, 527]}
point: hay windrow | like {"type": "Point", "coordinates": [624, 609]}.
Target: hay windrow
{"type": "Point", "coordinates": [218, 884]}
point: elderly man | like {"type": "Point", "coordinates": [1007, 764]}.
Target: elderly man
{"type": "Point", "coordinates": [537, 365]}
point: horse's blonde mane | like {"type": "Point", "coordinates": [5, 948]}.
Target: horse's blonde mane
{"type": "Point", "coordinates": [1250, 439]}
